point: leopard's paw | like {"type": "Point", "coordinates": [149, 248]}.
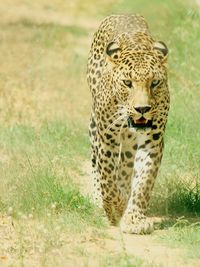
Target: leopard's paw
{"type": "Point", "coordinates": [141, 226]}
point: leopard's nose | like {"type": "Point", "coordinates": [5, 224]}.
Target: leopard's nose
{"type": "Point", "coordinates": [143, 109]}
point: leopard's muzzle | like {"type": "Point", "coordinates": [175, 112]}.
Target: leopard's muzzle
{"type": "Point", "coordinates": [140, 123]}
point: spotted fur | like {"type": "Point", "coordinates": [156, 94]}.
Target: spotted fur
{"type": "Point", "coordinates": [127, 77]}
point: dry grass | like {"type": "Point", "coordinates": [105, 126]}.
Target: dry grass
{"type": "Point", "coordinates": [34, 88]}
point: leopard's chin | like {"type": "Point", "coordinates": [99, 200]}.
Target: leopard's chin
{"type": "Point", "coordinates": [141, 123]}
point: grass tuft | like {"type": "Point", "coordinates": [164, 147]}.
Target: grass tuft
{"type": "Point", "coordinates": [178, 197]}
{"type": "Point", "coordinates": [43, 191]}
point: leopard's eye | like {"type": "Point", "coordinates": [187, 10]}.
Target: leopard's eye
{"type": "Point", "coordinates": [154, 83]}
{"type": "Point", "coordinates": [127, 83]}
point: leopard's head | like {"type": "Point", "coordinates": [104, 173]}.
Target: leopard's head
{"type": "Point", "coordinates": [137, 68]}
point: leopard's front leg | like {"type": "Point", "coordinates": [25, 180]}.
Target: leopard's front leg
{"type": "Point", "coordinates": [114, 198]}
{"type": "Point", "coordinates": [147, 162]}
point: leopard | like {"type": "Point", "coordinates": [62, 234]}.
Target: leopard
{"type": "Point", "coordinates": [127, 75]}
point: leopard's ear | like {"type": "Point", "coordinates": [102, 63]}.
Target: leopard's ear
{"type": "Point", "coordinates": [113, 51]}
{"type": "Point", "coordinates": [161, 50]}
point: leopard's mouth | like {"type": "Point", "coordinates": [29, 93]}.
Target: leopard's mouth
{"type": "Point", "coordinates": [140, 123]}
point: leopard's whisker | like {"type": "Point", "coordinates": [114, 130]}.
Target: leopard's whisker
{"type": "Point", "coordinates": [113, 115]}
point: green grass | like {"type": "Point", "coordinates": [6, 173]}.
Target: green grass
{"type": "Point", "coordinates": [38, 174]}
{"type": "Point", "coordinates": [125, 261]}
{"type": "Point", "coordinates": [179, 178]}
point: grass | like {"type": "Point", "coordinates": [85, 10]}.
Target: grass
{"type": "Point", "coordinates": [181, 166]}
{"type": "Point", "coordinates": [45, 106]}
{"type": "Point", "coordinates": [39, 169]}
{"type": "Point", "coordinates": [125, 261]}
